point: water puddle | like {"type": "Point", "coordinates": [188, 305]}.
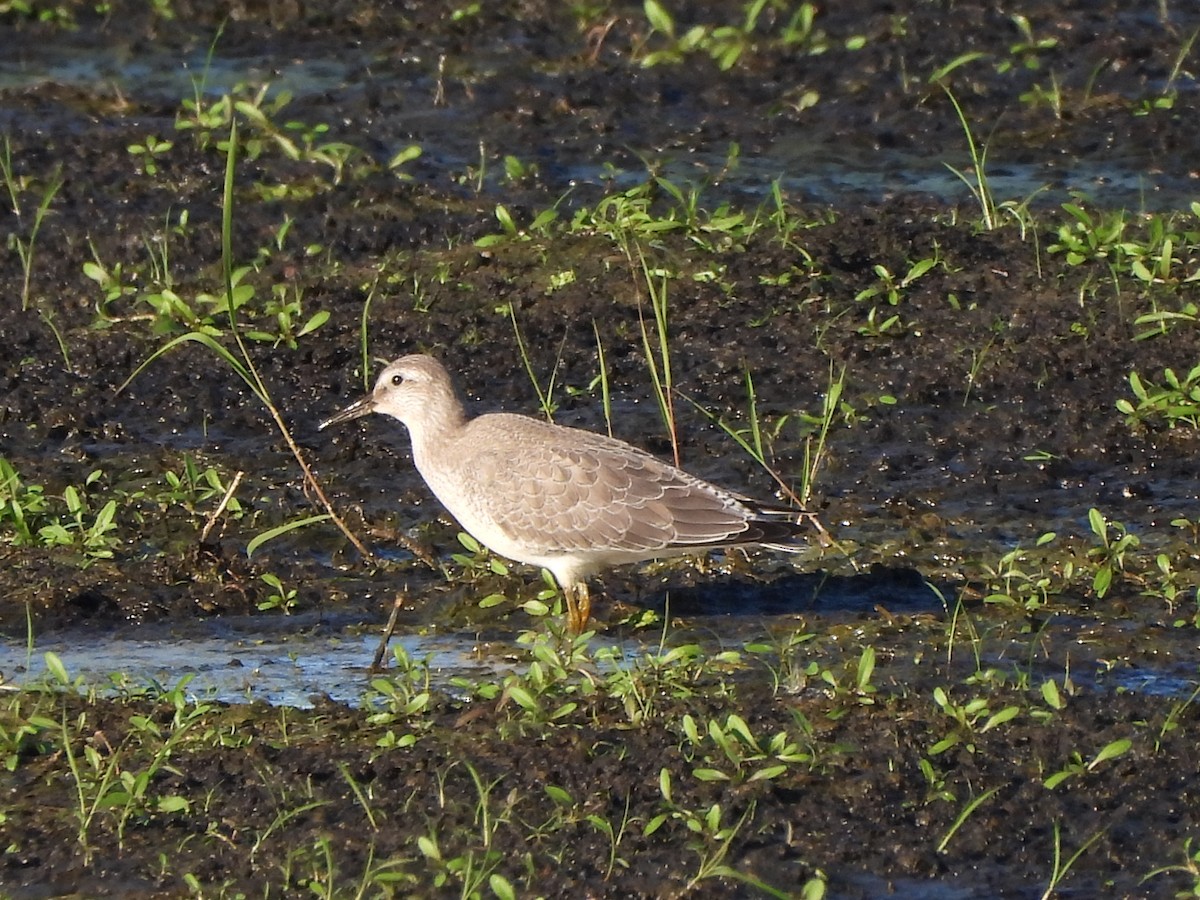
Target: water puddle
{"type": "Point", "coordinates": [297, 661]}
{"type": "Point", "coordinates": [242, 661]}
{"type": "Point", "coordinates": [166, 76]}
{"type": "Point", "coordinates": [806, 161]}
{"type": "Point", "coordinates": [1154, 684]}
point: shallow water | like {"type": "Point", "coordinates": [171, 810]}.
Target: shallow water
{"type": "Point", "coordinates": [238, 661]}
{"type": "Point", "coordinates": [295, 661]}
{"type": "Point", "coordinates": [805, 161]}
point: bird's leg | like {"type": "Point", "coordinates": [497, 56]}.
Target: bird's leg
{"type": "Point", "coordinates": [579, 606]}
{"type": "Point", "coordinates": [583, 605]}
{"type": "Point", "coordinates": [569, 596]}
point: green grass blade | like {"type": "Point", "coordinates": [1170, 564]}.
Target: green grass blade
{"type": "Point", "coordinates": [271, 533]}
{"type": "Point", "coordinates": [196, 337]}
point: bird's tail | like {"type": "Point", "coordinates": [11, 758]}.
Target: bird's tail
{"type": "Point", "coordinates": [778, 527]}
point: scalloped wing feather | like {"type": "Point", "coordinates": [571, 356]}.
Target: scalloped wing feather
{"type": "Point", "coordinates": [578, 492]}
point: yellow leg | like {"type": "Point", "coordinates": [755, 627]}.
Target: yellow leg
{"type": "Point", "coordinates": [583, 606]}
{"type": "Point", "coordinates": [579, 606]}
{"type": "Point", "coordinates": [569, 596]}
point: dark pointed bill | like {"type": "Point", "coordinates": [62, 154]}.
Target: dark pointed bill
{"type": "Point", "coordinates": [355, 410]}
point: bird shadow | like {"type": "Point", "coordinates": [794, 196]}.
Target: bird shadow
{"type": "Point", "coordinates": [897, 589]}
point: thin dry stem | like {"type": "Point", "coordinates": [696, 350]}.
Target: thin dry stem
{"type": "Point", "coordinates": [216, 513]}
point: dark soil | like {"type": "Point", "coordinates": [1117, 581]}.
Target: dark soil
{"type": "Point", "coordinates": [292, 798]}
{"type": "Point", "coordinates": [982, 418]}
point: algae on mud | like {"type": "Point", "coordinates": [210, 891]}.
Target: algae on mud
{"type": "Point", "coordinates": [976, 445]}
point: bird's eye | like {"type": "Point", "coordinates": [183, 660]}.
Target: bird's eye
{"type": "Point", "coordinates": [397, 380]}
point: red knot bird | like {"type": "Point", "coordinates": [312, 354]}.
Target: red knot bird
{"type": "Point", "coordinates": [564, 499]}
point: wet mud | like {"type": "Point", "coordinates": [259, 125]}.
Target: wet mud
{"type": "Point", "coordinates": [799, 210]}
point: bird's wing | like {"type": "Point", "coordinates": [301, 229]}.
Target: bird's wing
{"type": "Point", "coordinates": [580, 492]}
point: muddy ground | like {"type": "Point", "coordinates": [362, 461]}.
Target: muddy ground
{"type": "Point", "coordinates": [978, 419]}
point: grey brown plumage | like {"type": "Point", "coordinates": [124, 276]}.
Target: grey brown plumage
{"type": "Point", "coordinates": [562, 498]}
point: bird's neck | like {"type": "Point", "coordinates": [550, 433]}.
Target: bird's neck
{"type": "Point", "coordinates": [440, 425]}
